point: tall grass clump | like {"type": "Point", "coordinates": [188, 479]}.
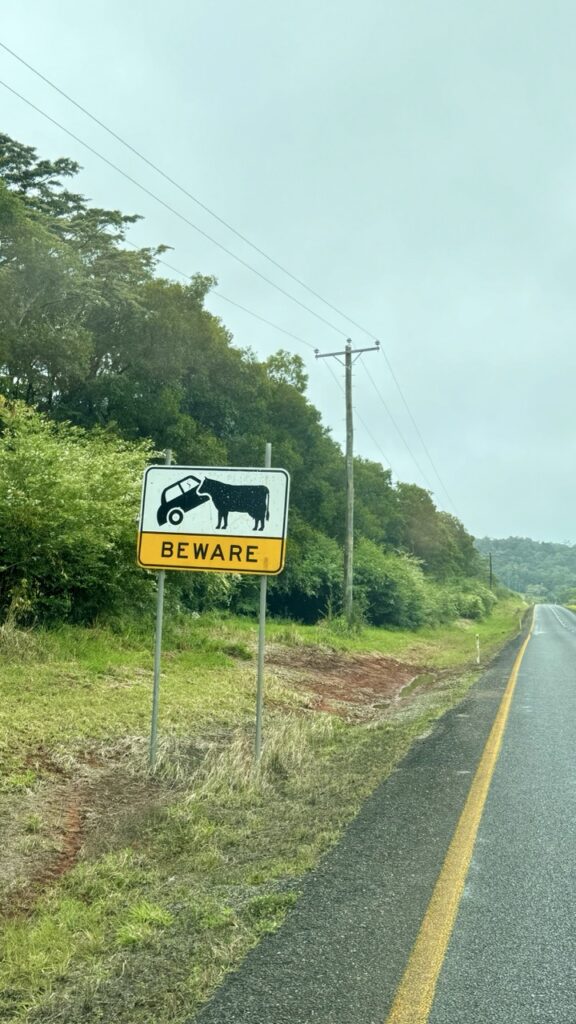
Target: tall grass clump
{"type": "Point", "coordinates": [289, 751]}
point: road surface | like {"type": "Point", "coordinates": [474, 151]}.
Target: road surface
{"type": "Point", "coordinates": [506, 951]}
{"type": "Point", "coordinates": [512, 956]}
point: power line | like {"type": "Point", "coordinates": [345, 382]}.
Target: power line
{"type": "Point", "coordinates": [222, 221]}
{"type": "Point", "coordinates": [232, 302]}
{"type": "Point", "coordinates": [226, 224]}
{"type": "Point", "coordinates": [176, 184]}
{"type": "Point", "coordinates": [182, 189]}
{"type": "Point", "coordinates": [372, 438]}
{"type": "Point", "coordinates": [419, 435]}
{"type": "Point", "coordinates": [282, 330]}
{"type": "Point", "coordinates": [263, 319]}
{"type": "Point", "coordinates": [171, 209]}
{"type": "Point", "coordinates": [396, 427]}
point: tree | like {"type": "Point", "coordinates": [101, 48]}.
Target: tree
{"type": "Point", "coordinates": [91, 335]}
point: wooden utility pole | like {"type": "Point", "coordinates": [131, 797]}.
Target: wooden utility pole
{"type": "Point", "coordinates": [349, 537]}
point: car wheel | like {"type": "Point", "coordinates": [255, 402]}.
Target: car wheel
{"type": "Point", "coordinates": [175, 516]}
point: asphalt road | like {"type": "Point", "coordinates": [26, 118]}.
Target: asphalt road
{"type": "Point", "coordinates": [512, 955]}
{"type": "Point", "coordinates": [341, 953]}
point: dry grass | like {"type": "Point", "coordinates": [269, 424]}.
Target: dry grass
{"type": "Point", "coordinates": [18, 644]}
{"type": "Point", "coordinates": [290, 747]}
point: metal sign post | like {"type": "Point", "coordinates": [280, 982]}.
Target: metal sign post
{"type": "Point", "coordinates": [261, 643]}
{"type": "Point", "coordinates": [157, 655]}
{"type": "Point", "coordinates": [213, 519]}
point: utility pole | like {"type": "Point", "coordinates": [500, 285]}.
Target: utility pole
{"type": "Point", "coordinates": [349, 538]}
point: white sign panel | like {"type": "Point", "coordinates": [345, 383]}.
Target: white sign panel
{"type": "Point", "coordinates": [214, 518]}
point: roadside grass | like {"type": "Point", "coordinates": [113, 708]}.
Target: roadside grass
{"type": "Point", "coordinates": [147, 931]}
{"type": "Point", "coordinates": [80, 686]}
{"type": "Point", "coordinates": [445, 646]}
{"type": "Point", "coordinates": [71, 685]}
{"type": "Point", "coordinates": [144, 931]}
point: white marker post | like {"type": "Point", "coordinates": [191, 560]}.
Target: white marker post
{"type": "Point", "coordinates": [477, 648]}
{"type": "Point", "coordinates": [157, 654]}
{"type": "Point", "coordinates": [261, 643]}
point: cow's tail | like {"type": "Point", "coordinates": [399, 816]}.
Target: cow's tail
{"type": "Point", "coordinates": [267, 503]}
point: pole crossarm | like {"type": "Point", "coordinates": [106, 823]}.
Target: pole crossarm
{"type": "Point", "coordinates": [347, 351]}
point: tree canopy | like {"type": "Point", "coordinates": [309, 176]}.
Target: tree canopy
{"type": "Point", "coordinates": [91, 335]}
{"type": "Point", "coordinates": [538, 569]}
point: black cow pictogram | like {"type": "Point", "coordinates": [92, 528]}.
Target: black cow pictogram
{"type": "Point", "coordinates": [189, 492]}
{"type": "Point", "coordinates": [253, 499]}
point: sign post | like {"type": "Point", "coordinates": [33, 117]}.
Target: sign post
{"type": "Point", "coordinates": [157, 656]}
{"type": "Point", "coordinates": [261, 644]}
{"type": "Point", "coordinates": [213, 519]}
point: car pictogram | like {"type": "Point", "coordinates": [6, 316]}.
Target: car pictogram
{"type": "Point", "coordinates": [179, 498]}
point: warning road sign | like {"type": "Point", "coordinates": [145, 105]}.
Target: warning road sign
{"type": "Point", "coordinates": [213, 518]}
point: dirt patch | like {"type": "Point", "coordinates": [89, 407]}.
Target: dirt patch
{"type": "Point", "coordinates": [45, 831]}
{"type": "Point", "coordinates": [357, 686]}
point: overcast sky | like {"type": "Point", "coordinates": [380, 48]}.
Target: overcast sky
{"type": "Point", "coordinates": [413, 162]}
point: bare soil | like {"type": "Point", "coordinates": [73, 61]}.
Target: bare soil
{"type": "Point", "coordinates": [352, 686]}
{"type": "Point", "coordinates": [68, 815]}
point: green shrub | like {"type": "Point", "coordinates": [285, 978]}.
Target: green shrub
{"type": "Point", "coordinates": [390, 586]}
{"type": "Point", "coordinates": [69, 501]}
{"type": "Point", "coordinates": [311, 585]}
{"type": "Point", "coordinates": [476, 602]}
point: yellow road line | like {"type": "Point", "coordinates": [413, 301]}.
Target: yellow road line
{"type": "Point", "coordinates": [414, 996]}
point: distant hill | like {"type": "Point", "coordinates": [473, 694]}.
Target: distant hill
{"type": "Point", "coordinates": [535, 568]}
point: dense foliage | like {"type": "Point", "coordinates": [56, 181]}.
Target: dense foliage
{"type": "Point", "coordinates": [67, 502]}
{"type": "Point", "coordinates": [102, 361]}
{"type": "Point", "coordinates": [542, 571]}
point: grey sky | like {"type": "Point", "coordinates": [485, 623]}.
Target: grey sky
{"type": "Point", "coordinates": [415, 163]}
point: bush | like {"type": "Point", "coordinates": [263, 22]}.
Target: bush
{"type": "Point", "coordinates": [391, 587]}
{"type": "Point", "coordinates": [476, 602]}
{"type": "Point", "coordinates": [441, 604]}
{"type": "Point", "coordinates": [69, 502]}
{"type": "Point", "coordinates": [202, 591]}
{"type": "Point", "coordinates": [311, 585]}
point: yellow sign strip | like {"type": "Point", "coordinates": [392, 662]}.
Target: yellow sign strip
{"type": "Point", "coordinates": [415, 994]}
{"type": "Point", "coordinates": [263, 555]}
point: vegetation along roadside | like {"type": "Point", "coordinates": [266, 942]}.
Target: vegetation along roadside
{"type": "Point", "coordinates": [127, 896]}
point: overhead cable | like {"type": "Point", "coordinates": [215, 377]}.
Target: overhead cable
{"type": "Point", "coordinates": [170, 208]}
{"type": "Point", "coordinates": [419, 435]}
{"type": "Point", "coordinates": [232, 302]}
{"type": "Point", "coordinates": [181, 188]}
{"type": "Point", "coordinates": [222, 221]}
{"type": "Point", "coordinates": [395, 425]}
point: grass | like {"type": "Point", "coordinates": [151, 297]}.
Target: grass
{"type": "Point", "coordinates": [89, 685]}
{"type": "Point", "coordinates": [444, 646]}
{"type": "Point", "coordinates": [143, 929]}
